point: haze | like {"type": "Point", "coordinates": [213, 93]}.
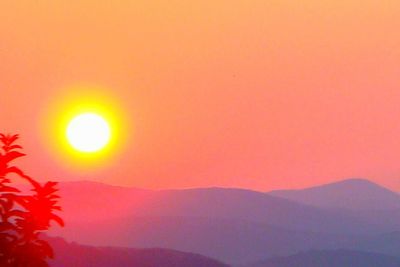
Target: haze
{"type": "Point", "coordinates": [255, 94]}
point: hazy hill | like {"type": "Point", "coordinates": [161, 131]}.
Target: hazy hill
{"type": "Point", "coordinates": [92, 201]}
{"type": "Point", "coordinates": [388, 243]}
{"type": "Point", "coordinates": [230, 241]}
{"type": "Point", "coordinates": [335, 258]}
{"type": "Point", "coordinates": [89, 202]}
{"type": "Point", "coordinates": [355, 194]}
{"type": "Point", "coordinates": [231, 225]}
{"type": "Point", "coordinates": [72, 254]}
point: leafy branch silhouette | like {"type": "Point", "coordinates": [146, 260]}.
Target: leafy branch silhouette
{"type": "Point", "coordinates": [24, 216]}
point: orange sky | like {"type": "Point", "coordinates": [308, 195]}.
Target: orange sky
{"type": "Point", "coordinates": [256, 94]}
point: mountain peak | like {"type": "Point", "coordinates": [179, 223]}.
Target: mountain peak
{"type": "Point", "coordinates": [355, 194]}
{"type": "Point", "coordinates": [354, 181]}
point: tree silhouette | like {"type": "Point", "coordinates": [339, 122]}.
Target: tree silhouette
{"type": "Point", "coordinates": [24, 216]}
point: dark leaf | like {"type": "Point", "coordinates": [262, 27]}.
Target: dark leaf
{"type": "Point", "coordinates": [57, 219]}
{"type": "Point", "coordinates": [9, 189]}
{"type": "Point", "coordinates": [10, 156]}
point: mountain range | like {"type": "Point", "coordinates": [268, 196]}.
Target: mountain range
{"type": "Point", "coordinates": [333, 258]}
{"type": "Point", "coordinates": [353, 194]}
{"type": "Point", "coordinates": [235, 226]}
{"type": "Point", "coordinates": [72, 254]}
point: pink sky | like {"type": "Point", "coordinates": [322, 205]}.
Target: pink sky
{"type": "Point", "coordinates": [256, 94]}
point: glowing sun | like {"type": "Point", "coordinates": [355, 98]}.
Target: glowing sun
{"type": "Point", "coordinates": [88, 132]}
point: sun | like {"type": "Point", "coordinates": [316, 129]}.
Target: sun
{"type": "Point", "coordinates": [88, 132]}
{"type": "Point", "coordinates": [86, 128]}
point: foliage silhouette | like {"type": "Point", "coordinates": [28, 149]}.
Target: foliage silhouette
{"type": "Point", "coordinates": [23, 216]}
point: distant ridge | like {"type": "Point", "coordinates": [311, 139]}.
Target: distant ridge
{"type": "Point", "coordinates": [235, 226]}
{"type": "Point", "coordinates": [76, 255]}
{"type": "Point", "coordinates": [353, 194]}
{"type": "Point", "coordinates": [331, 258]}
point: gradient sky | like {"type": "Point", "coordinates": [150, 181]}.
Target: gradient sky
{"type": "Point", "coordinates": [257, 94]}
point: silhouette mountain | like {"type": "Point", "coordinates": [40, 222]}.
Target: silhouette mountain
{"type": "Point", "coordinates": [82, 202]}
{"type": "Point", "coordinates": [335, 258]}
{"type": "Point", "coordinates": [388, 243]}
{"type": "Point", "coordinates": [231, 225]}
{"type": "Point", "coordinates": [353, 194]}
{"type": "Point", "coordinates": [73, 254]}
{"type": "Point", "coordinates": [88, 201]}
{"type": "Point", "coordinates": [231, 241]}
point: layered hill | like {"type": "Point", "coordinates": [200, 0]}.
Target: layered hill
{"type": "Point", "coordinates": [88, 202]}
{"type": "Point", "coordinates": [232, 225]}
{"type": "Point", "coordinates": [335, 258]}
{"type": "Point", "coordinates": [73, 254]}
{"type": "Point", "coordinates": [354, 194]}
